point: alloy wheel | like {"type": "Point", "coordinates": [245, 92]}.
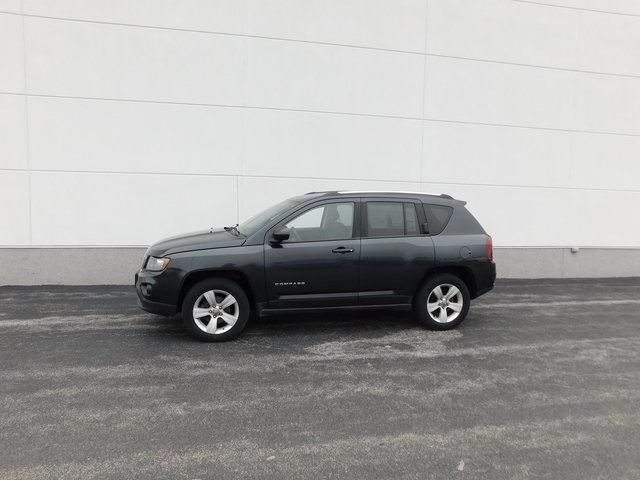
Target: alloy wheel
{"type": "Point", "coordinates": [444, 303]}
{"type": "Point", "coordinates": [216, 311]}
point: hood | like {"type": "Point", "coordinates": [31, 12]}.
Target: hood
{"type": "Point", "coordinates": [202, 240]}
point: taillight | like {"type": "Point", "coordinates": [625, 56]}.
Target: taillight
{"type": "Point", "coordinates": [490, 248]}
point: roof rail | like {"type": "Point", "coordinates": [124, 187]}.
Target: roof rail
{"type": "Point", "coordinates": [350, 192]}
{"type": "Point", "coordinates": [442, 195]}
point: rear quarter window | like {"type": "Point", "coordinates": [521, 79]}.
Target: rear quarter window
{"type": "Point", "coordinates": [437, 217]}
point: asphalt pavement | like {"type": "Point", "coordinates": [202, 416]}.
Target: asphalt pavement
{"type": "Point", "coordinates": [541, 381]}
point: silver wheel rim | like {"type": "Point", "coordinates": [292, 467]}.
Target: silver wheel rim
{"type": "Point", "coordinates": [216, 312]}
{"type": "Point", "coordinates": [444, 303]}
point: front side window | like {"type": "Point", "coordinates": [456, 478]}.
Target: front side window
{"type": "Point", "coordinates": [333, 221]}
{"type": "Point", "coordinates": [391, 219]}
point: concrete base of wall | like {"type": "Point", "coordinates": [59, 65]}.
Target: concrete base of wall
{"type": "Point", "coordinates": [69, 266]}
{"type": "Point", "coordinates": [117, 266]}
{"type": "Point", "coordinates": [562, 263]}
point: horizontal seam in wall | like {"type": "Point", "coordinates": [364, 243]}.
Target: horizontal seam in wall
{"type": "Point", "coordinates": [568, 7]}
{"type": "Point", "coordinates": [529, 65]}
{"type": "Point", "coordinates": [69, 247]}
{"type": "Point", "coordinates": [231, 175]}
{"type": "Point", "coordinates": [333, 44]}
{"type": "Point", "coordinates": [498, 247]}
{"type": "Point", "coordinates": [566, 247]}
{"type": "Point", "coordinates": [319, 112]}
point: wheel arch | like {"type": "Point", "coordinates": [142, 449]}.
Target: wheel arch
{"type": "Point", "coordinates": [463, 273]}
{"type": "Point", "coordinates": [197, 276]}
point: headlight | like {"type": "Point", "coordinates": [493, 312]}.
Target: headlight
{"type": "Point", "coordinates": [155, 264]}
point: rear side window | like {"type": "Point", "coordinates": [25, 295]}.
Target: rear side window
{"type": "Point", "coordinates": [385, 219]}
{"type": "Point", "coordinates": [391, 219]}
{"type": "Point", "coordinates": [437, 217]}
{"type": "Point", "coordinates": [411, 219]}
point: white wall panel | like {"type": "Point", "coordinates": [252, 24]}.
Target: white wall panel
{"type": "Point", "coordinates": [607, 104]}
{"type": "Point", "coordinates": [14, 213]}
{"type": "Point", "coordinates": [515, 216]}
{"type": "Point", "coordinates": [109, 61]}
{"type": "Point", "coordinates": [496, 93]}
{"type": "Point", "coordinates": [551, 216]}
{"type": "Point", "coordinates": [126, 209]}
{"type": "Point", "coordinates": [13, 132]}
{"type": "Point", "coordinates": [208, 15]}
{"type": "Point", "coordinates": [301, 144]}
{"type": "Point", "coordinates": [630, 7]}
{"type": "Point", "coordinates": [605, 161]}
{"type": "Point", "coordinates": [257, 193]}
{"type": "Point", "coordinates": [610, 43]}
{"type": "Point", "coordinates": [471, 145]}
{"type": "Point", "coordinates": [495, 155]}
{"type": "Point", "coordinates": [10, 6]}
{"type": "Point", "coordinates": [503, 30]}
{"type": "Point", "coordinates": [11, 53]}
{"type": "Point", "coordinates": [603, 218]}
{"type": "Point", "coordinates": [391, 24]}
{"type": "Point", "coordinates": [283, 74]}
{"type": "Point", "coordinates": [111, 136]}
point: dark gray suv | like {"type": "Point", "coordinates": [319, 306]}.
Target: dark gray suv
{"type": "Point", "coordinates": [324, 251]}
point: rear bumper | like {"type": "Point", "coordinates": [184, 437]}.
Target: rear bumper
{"type": "Point", "coordinates": [485, 276]}
{"type": "Point", "coordinates": [146, 286]}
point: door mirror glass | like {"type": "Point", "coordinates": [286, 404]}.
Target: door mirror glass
{"type": "Point", "coordinates": [281, 234]}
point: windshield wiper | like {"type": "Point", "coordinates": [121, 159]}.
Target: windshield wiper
{"type": "Point", "coordinates": [233, 229]}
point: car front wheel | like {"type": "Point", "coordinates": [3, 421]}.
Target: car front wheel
{"type": "Point", "coordinates": [215, 310]}
{"type": "Point", "coordinates": [443, 302]}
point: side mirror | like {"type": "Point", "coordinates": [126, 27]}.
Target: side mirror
{"type": "Point", "coordinates": [280, 235]}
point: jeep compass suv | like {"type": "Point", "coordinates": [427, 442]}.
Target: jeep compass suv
{"type": "Point", "coordinates": [321, 251]}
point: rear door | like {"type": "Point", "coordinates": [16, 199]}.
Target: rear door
{"type": "Point", "coordinates": [395, 254]}
{"type": "Point", "coordinates": [318, 265]}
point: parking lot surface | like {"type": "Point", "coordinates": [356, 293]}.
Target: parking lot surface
{"type": "Point", "coordinates": [541, 381]}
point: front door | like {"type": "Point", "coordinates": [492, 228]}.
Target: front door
{"type": "Point", "coordinates": [318, 265]}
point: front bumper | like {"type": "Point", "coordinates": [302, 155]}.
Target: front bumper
{"type": "Point", "coordinates": [148, 287]}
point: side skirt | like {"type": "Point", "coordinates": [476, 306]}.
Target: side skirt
{"type": "Point", "coordinates": [263, 311]}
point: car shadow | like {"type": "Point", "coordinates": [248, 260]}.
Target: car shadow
{"type": "Point", "coordinates": [349, 325]}
{"type": "Point", "coordinates": [295, 324]}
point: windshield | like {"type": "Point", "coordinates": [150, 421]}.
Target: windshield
{"type": "Point", "coordinates": [255, 223]}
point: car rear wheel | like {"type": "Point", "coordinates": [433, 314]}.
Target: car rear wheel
{"type": "Point", "coordinates": [215, 310]}
{"type": "Point", "coordinates": [443, 302]}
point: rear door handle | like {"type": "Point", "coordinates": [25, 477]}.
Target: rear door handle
{"type": "Point", "coordinates": [342, 250]}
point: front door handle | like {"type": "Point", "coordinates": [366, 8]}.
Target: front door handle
{"type": "Point", "coordinates": [342, 250]}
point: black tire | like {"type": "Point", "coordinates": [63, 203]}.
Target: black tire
{"type": "Point", "coordinates": [195, 294]}
{"type": "Point", "coordinates": [427, 291]}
